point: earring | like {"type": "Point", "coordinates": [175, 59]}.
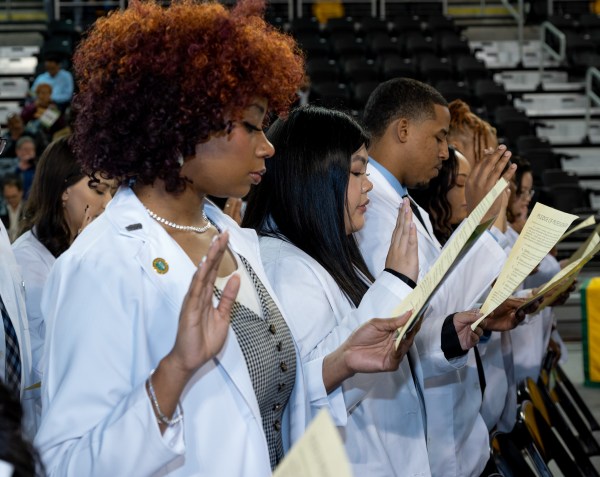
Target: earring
{"type": "Point", "coordinates": [179, 159]}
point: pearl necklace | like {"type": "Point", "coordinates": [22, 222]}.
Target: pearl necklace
{"type": "Point", "coordinates": [185, 228]}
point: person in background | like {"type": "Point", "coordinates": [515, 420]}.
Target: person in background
{"type": "Point", "coordinates": [63, 201]}
{"type": "Point", "coordinates": [12, 190]}
{"type": "Point", "coordinates": [25, 170]}
{"type": "Point", "coordinates": [43, 114]}
{"type": "Point", "coordinates": [468, 133]}
{"type": "Point", "coordinates": [444, 198]}
{"type": "Point", "coordinates": [59, 79]}
{"type": "Point", "coordinates": [16, 130]}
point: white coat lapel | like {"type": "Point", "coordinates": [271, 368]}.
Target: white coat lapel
{"type": "Point", "coordinates": [425, 229]}
{"type": "Point", "coordinates": [173, 283]}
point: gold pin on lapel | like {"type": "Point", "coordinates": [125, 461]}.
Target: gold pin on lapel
{"type": "Point", "coordinates": [160, 265]}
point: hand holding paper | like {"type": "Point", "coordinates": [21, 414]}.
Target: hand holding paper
{"type": "Point", "coordinates": [458, 245]}
{"type": "Point", "coordinates": [542, 230]}
{"type": "Point", "coordinates": [509, 314]}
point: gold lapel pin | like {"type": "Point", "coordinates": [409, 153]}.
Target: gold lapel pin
{"type": "Point", "coordinates": [160, 266]}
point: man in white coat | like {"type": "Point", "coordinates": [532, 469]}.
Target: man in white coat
{"type": "Point", "coordinates": [15, 348]}
{"type": "Point", "coordinates": [409, 122]}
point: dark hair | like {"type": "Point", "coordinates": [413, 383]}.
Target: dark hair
{"type": "Point", "coordinates": [434, 197]}
{"type": "Point", "coordinates": [302, 197]}
{"type": "Point", "coordinates": [400, 98]}
{"type": "Point", "coordinates": [13, 448]}
{"type": "Point", "coordinates": [12, 180]}
{"type": "Point", "coordinates": [523, 167]}
{"type": "Point", "coordinates": [56, 170]}
{"type": "Point", "coordinates": [154, 82]}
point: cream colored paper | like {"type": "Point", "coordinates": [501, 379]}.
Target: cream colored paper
{"type": "Point", "coordinates": [319, 452]}
{"type": "Point", "coordinates": [591, 220]}
{"type": "Point", "coordinates": [418, 297]}
{"type": "Point", "coordinates": [543, 229]}
{"type": "Point", "coordinates": [584, 247]}
{"type": "Point", "coordinates": [565, 278]}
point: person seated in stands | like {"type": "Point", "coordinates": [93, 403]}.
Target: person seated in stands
{"type": "Point", "coordinates": [43, 114]}
{"type": "Point", "coordinates": [25, 151]}
{"type": "Point", "coordinates": [12, 191]}
{"type": "Point", "coordinates": [60, 80]}
{"type": "Point", "coordinates": [15, 131]}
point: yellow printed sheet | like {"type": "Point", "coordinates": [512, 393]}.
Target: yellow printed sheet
{"type": "Point", "coordinates": [544, 227]}
{"type": "Point", "coordinates": [460, 242]}
{"type": "Point", "coordinates": [591, 220]}
{"type": "Point", "coordinates": [319, 452]}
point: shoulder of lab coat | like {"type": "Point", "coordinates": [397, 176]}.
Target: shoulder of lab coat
{"type": "Point", "coordinates": [35, 262]}
{"type": "Point", "coordinates": [310, 296]}
{"type": "Point", "coordinates": [110, 319]}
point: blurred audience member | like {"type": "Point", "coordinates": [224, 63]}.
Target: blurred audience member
{"type": "Point", "coordinates": [43, 114]}
{"type": "Point", "coordinates": [60, 80]}
{"type": "Point", "coordinates": [25, 152]}
{"type": "Point", "coordinates": [12, 191]}
{"type": "Point", "coordinates": [16, 130]}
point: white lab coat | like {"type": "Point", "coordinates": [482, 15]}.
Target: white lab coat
{"type": "Point", "coordinates": [110, 318]}
{"type": "Point", "coordinates": [457, 436]}
{"type": "Point", "coordinates": [383, 424]}
{"type": "Point", "coordinates": [35, 262]}
{"type": "Point", "coordinates": [11, 288]}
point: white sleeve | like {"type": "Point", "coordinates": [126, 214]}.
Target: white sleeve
{"type": "Point", "coordinates": [97, 418]}
{"type": "Point", "coordinates": [318, 331]}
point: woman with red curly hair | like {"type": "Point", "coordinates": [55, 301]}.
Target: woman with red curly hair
{"type": "Point", "coordinates": [142, 378]}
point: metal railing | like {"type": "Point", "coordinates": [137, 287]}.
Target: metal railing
{"type": "Point", "coordinates": [519, 15]}
{"type": "Point", "coordinates": [591, 97]}
{"type": "Point", "coordinates": [545, 47]}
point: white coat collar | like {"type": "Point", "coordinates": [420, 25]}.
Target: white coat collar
{"type": "Point", "coordinates": [388, 194]}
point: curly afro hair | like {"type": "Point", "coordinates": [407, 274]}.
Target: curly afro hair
{"type": "Point", "coordinates": [154, 82]}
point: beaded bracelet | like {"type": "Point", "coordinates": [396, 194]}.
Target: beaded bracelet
{"type": "Point", "coordinates": [162, 419]}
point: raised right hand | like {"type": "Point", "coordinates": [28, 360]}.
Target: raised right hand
{"type": "Point", "coordinates": [403, 254]}
{"type": "Point", "coordinates": [202, 327]}
{"type": "Point", "coordinates": [484, 176]}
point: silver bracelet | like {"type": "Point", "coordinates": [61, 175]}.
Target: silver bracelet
{"type": "Point", "coordinates": [162, 419]}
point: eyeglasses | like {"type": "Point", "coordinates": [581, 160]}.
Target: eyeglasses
{"type": "Point", "coordinates": [526, 193]}
{"type": "Point", "coordinates": [3, 143]}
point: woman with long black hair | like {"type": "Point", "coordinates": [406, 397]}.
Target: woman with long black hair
{"type": "Point", "coordinates": [313, 197]}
